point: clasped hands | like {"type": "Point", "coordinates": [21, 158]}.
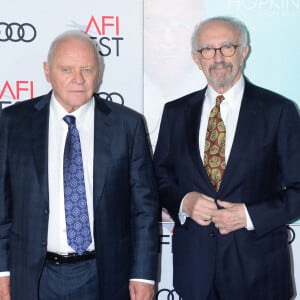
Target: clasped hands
{"type": "Point", "coordinates": [203, 210]}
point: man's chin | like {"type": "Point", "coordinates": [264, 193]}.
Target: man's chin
{"type": "Point", "coordinates": [77, 102]}
{"type": "Point", "coordinates": [221, 82]}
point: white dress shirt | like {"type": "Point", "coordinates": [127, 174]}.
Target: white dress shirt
{"type": "Point", "coordinates": [230, 109]}
{"type": "Point", "coordinates": [58, 128]}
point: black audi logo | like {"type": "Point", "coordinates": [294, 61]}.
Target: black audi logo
{"type": "Point", "coordinates": [292, 234]}
{"type": "Point", "coordinates": [113, 97]}
{"type": "Point", "coordinates": [16, 32]}
{"type": "Point", "coordinates": [166, 294]}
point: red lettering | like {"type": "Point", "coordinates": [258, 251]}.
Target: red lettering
{"type": "Point", "coordinates": [21, 86]}
{"type": "Point", "coordinates": [31, 89]}
{"type": "Point", "coordinates": [106, 21]}
{"type": "Point", "coordinates": [7, 86]}
{"type": "Point", "coordinates": [117, 25]}
{"type": "Point", "coordinates": [104, 24]}
{"type": "Point", "coordinates": [93, 21]}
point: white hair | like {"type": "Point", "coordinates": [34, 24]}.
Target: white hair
{"type": "Point", "coordinates": [236, 24]}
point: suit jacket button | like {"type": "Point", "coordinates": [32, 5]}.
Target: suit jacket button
{"type": "Point", "coordinates": [212, 234]}
{"type": "Point", "coordinates": [44, 243]}
{"type": "Point", "coordinates": [46, 211]}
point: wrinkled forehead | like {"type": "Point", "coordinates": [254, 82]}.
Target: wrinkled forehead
{"type": "Point", "coordinates": [73, 43]}
{"type": "Point", "coordinates": [218, 32]}
{"type": "Point", "coordinates": [74, 48]}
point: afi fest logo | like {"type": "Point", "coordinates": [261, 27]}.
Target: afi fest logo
{"type": "Point", "coordinates": [107, 29]}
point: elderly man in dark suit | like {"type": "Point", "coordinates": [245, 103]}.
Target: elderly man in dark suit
{"type": "Point", "coordinates": [78, 197]}
{"type": "Point", "coordinates": [227, 161]}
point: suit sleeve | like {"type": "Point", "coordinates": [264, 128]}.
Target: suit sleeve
{"type": "Point", "coordinates": [5, 205]}
{"type": "Point", "coordinates": [144, 207]}
{"type": "Point", "coordinates": [283, 207]}
{"type": "Point", "coordinates": [169, 191]}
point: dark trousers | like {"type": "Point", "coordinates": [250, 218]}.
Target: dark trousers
{"type": "Point", "coordinates": [229, 282]}
{"type": "Point", "coordinates": [76, 281]}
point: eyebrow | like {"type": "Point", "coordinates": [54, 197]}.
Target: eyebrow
{"type": "Point", "coordinates": [222, 44]}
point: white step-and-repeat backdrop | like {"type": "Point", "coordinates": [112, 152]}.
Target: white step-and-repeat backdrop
{"type": "Point", "coordinates": [27, 29]}
{"type": "Point", "coordinates": [150, 38]}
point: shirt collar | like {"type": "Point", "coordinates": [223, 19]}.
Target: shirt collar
{"type": "Point", "coordinates": [58, 112]}
{"type": "Point", "coordinates": [235, 92]}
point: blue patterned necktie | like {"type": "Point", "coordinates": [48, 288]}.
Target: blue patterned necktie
{"type": "Point", "coordinates": [77, 218]}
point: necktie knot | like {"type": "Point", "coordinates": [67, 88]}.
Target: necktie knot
{"type": "Point", "coordinates": [70, 120]}
{"type": "Point", "coordinates": [219, 99]}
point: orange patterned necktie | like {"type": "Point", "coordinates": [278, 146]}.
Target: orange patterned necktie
{"type": "Point", "coordinates": [214, 153]}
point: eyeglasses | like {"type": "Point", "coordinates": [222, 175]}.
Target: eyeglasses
{"type": "Point", "coordinates": [227, 50]}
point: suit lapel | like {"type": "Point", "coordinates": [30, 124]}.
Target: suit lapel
{"type": "Point", "coordinates": [248, 124]}
{"type": "Point", "coordinates": [193, 118]}
{"type": "Point", "coordinates": [102, 146]}
{"type": "Point", "coordinates": [40, 141]}
{"type": "Point", "coordinates": [102, 151]}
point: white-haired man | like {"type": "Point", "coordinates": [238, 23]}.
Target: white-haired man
{"type": "Point", "coordinates": [227, 161]}
{"type": "Point", "coordinates": [78, 199]}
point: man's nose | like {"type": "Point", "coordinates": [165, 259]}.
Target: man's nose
{"type": "Point", "coordinates": [78, 77]}
{"type": "Point", "coordinates": [218, 56]}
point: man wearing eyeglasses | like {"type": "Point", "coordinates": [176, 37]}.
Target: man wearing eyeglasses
{"type": "Point", "coordinates": [227, 162]}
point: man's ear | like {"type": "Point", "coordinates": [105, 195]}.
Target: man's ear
{"type": "Point", "coordinates": [46, 71]}
{"type": "Point", "coordinates": [196, 60]}
{"type": "Point", "coordinates": [244, 55]}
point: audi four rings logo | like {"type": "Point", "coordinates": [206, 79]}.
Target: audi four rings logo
{"type": "Point", "coordinates": [113, 97]}
{"type": "Point", "coordinates": [166, 294]}
{"type": "Point", "coordinates": [16, 32]}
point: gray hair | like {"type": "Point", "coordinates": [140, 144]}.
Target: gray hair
{"type": "Point", "coordinates": [236, 24]}
{"type": "Point", "coordinates": [77, 35]}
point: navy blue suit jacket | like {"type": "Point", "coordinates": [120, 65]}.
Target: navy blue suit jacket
{"type": "Point", "coordinates": [125, 197]}
{"type": "Point", "coordinates": [262, 172]}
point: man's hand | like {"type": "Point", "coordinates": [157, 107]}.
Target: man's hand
{"type": "Point", "coordinates": [231, 217]}
{"type": "Point", "coordinates": [5, 288]}
{"type": "Point", "coordinates": [141, 290]}
{"type": "Point", "coordinates": [199, 207]}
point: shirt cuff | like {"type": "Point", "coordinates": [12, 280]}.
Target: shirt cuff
{"type": "Point", "coordinates": [143, 280]}
{"type": "Point", "coordinates": [4, 274]}
{"type": "Point", "coordinates": [181, 214]}
{"type": "Point", "coordinates": [249, 225]}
